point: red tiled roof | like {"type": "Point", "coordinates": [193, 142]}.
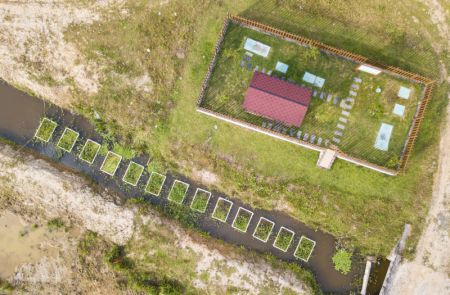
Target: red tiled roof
{"type": "Point", "coordinates": [277, 99]}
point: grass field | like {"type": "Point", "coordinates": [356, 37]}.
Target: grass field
{"type": "Point", "coordinates": [364, 209]}
{"type": "Point", "coordinates": [46, 129]}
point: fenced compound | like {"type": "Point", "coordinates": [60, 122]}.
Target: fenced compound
{"type": "Point", "coordinates": [404, 151]}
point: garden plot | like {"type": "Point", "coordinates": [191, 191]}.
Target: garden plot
{"type": "Point", "coordinates": [178, 191]}
{"type": "Point", "coordinates": [200, 201]}
{"type": "Point", "coordinates": [222, 209]}
{"type": "Point", "coordinates": [68, 139]}
{"type": "Point", "coordinates": [133, 173]}
{"type": "Point", "coordinates": [155, 183]}
{"type": "Point", "coordinates": [111, 163]}
{"type": "Point", "coordinates": [304, 248]}
{"type": "Point", "coordinates": [242, 219]}
{"type": "Point", "coordinates": [89, 151]}
{"type": "Point", "coordinates": [263, 229]}
{"type": "Point", "coordinates": [45, 129]}
{"type": "Point", "coordinates": [284, 239]}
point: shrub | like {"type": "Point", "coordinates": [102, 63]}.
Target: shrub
{"type": "Point", "coordinates": [342, 261]}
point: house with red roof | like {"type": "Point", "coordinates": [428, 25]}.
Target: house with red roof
{"type": "Point", "coordinates": [276, 99]}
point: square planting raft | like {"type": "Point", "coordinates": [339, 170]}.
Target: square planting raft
{"type": "Point", "coordinates": [284, 239]}
{"type": "Point", "coordinates": [263, 229]}
{"type": "Point", "coordinates": [304, 248]}
{"type": "Point", "coordinates": [155, 183]}
{"type": "Point", "coordinates": [89, 151]}
{"type": "Point", "coordinates": [133, 173]}
{"type": "Point", "coordinates": [222, 209]}
{"type": "Point", "coordinates": [201, 200]}
{"type": "Point", "coordinates": [111, 163]}
{"type": "Point", "coordinates": [45, 129]}
{"type": "Point", "coordinates": [242, 219]}
{"type": "Point", "coordinates": [178, 191]}
{"type": "Point", "coordinates": [68, 139]}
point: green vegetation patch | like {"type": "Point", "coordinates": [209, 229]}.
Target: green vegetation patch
{"type": "Point", "coordinates": [68, 139]}
{"type": "Point", "coordinates": [342, 261]}
{"type": "Point", "coordinates": [89, 151]}
{"type": "Point", "coordinates": [263, 229]}
{"type": "Point", "coordinates": [304, 248]}
{"type": "Point", "coordinates": [242, 219]}
{"type": "Point", "coordinates": [284, 239]}
{"type": "Point", "coordinates": [155, 183]}
{"type": "Point", "coordinates": [201, 200]}
{"type": "Point", "coordinates": [111, 163]}
{"type": "Point", "coordinates": [133, 173]}
{"type": "Point", "coordinates": [222, 209]}
{"type": "Point", "coordinates": [178, 191]}
{"type": "Point", "coordinates": [45, 129]}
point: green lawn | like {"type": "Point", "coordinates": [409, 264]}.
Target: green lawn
{"type": "Point", "coordinates": [304, 249]}
{"type": "Point", "coordinates": [200, 201]}
{"type": "Point", "coordinates": [155, 183]}
{"type": "Point", "coordinates": [263, 229]}
{"type": "Point", "coordinates": [178, 192]}
{"type": "Point", "coordinates": [222, 209]}
{"type": "Point", "coordinates": [89, 151]}
{"type": "Point", "coordinates": [133, 173]}
{"type": "Point", "coordinates": [229, 82]}
{"type": "Point", "coordinates": [284, 239]}
{"type": "Point", "coordinates": [68, 139]}
{"type": "Point", "coordinates": [46, 129]}
{"type": "Point", "coordinates": [111, 163]}
{"type": "Point", "coordinates": [242, 219]}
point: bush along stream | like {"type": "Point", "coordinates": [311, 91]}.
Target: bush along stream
{"type": "Point", "coordinates": [71, 141]}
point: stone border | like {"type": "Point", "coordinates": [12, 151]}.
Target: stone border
{"type": "Point", "coordinates": [249, 221]}
{"type": "Point", "coordinates": [229, 210]}
{"type": "Point", "coordinates": [290, 242]}
{"type": "Point", "coordinates": [298, 245]}
{"type": "Point", "coordinates": [98, 149]}
{"type": "Point", "coordinates": [184, 196]}
{"type": "Point", "coordinates": [40, 124]}
{"type": "Point", "coordinates": [271, 229]}
{"type": "Point", "coordinates": [73, 144]}
{"type": "Point", "coordinates": [118, 164]}
{"type": "Point", "coordinates": [140, 175]}
{"type": "Point", "coordinates": [207, 202]}
{"type": "Point", "coordinates": [161, 186]}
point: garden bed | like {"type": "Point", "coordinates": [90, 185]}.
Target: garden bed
{"type": "Point", "coordinates": [284, 239]}
{"type": "Point", "coordinates": [304, 248]}
{"type": "Point", "coordinates": [178, 191]}
{"type": "Point", "coordinates": [89, 151]}
{"type": "Point", "coordinates": [242, 219]}
{"type": "Point", "coordinates": [45, 129]}
{"type": "Point", "coordinates": [111, 163]}
{"type": "Point", "coordinates": [222, 209]}
{"type": "Point", "coordinates": [200, 201]}
{"type": "Point", "coordinates": [155, 183]}
{"type": "Point", "coordinates": [68, 139]}
{"type": "Point", "coordinates": [263, 229]}
{"type": "Point", "coordinates": [133, 173]}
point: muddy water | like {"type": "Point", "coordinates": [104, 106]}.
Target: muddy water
{"type": "Point", "coordinates": [19, 118]}
{"type": "Point", "coordinates": [22, 243]}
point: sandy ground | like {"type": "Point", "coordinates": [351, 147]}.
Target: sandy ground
{"type": "Point", "coordinates": [33, 187]}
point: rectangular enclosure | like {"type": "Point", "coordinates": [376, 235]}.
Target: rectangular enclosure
{"type": "Point", "coordinates": [304, 248]}
{"type": "Point", "coordinates": [284, 239]}
{"type": "Point", "coordinates": [178, 191]}
{"type": "Point", "coordinates": [89, 151]}
{"type": "Point", "coordinates": [155, 183]}
{"type": "Point", "coordinates": [45, 129]}
{"type": "Point", "coordinates": [263, 229]}
{"type": "Point", "coordinates": [111, 163]}
{"type": "Point", "coordinates": [242, 219]}
{"type": "Point", "coordinates": [222, 209]}
{"type": "Point", "coordinates": [201, 200]}
{"type": "Point", "coordinates": [68, 139]}
{"type": "Point", "coordinates": [133, 173]}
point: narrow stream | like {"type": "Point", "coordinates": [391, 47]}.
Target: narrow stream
{"type": "Point", "coordinates": [19, 118]}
